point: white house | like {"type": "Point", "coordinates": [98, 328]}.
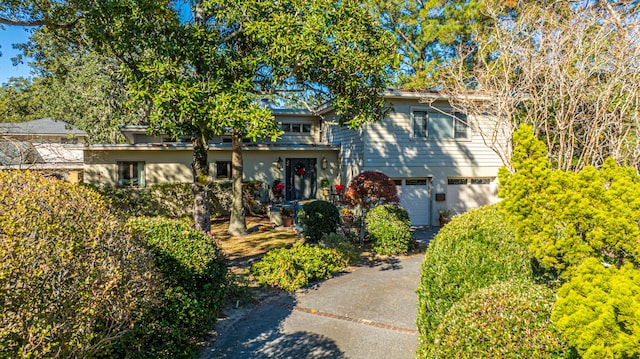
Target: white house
{"type": "Point", "coordinates": [437, 157]}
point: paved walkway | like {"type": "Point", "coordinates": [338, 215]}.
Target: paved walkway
{"type": "Point", "coordinates": [367, 313]}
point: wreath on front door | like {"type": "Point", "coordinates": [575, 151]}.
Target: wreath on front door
{"type": "Point", "coordinates": [300, 170]}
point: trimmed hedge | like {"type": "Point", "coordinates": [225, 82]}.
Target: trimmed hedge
{"type": "Point", "coordinates": [389, 229]}
{"type": "Point", "coordinates": [504, 320]}
{"type": "Point", "coordinates": [194, 286]}
{"type": "Point", "coordinates": [476, 249]}
{"type": "Point", "coordinates": [319, 218]}
{"type": "Point", "coordinates": [72, 282]}
{"type": "Point", "coordinates": [290, 269]}
{"type": "Point", "coordinates": [166, 199]}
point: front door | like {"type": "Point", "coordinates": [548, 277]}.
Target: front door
{"type": "Point", "coordinates": [301, 178]}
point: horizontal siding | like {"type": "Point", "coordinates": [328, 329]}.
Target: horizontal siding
{"type": "Point", "coordinates": [351, 144]}
{"type": "Point", "coordinates": [390, 143]}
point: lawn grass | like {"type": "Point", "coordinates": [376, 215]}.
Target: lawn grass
{"type": "Point", "coordinates": [241, 251]}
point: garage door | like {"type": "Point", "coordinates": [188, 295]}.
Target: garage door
{"type": "Point", "coordinates": [414, 197]}
{"type": "Point", "coordinates": [464, 194]}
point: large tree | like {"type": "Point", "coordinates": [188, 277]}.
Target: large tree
{"type": "Point", "coordinates": [203, 64]}
{"type": "Point", "coordinates": [568, 70]}
{"type": "Point", "coordinates": [427, 33]}
{"type": "Point", "coordinates": [74, 84]}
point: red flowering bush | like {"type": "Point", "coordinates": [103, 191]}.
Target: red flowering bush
{"type": "Point", "coordinates": [370, 187]}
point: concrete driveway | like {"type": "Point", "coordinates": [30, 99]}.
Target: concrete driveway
{"type": "Point", "coordinates": [369, 312]}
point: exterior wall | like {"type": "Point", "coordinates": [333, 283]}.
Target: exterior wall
{"type": "Point", "coordinates": [390, 145]}
{"type": "Point", "coordinates": [161, 165]}
{"type": "Point", "coordinates": [351, 144]}
{"type": "Point", "coordinates": [391, 148]}
{"type": "Point", "coordinates": [168, 165]}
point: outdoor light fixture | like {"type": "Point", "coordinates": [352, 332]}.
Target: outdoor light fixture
{"type": "Point", "coordinates": [278, 163]}
{"type": "Point", "coordinates": [323, 163]}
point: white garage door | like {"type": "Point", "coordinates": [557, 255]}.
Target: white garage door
{"type": "Point", "coordinates": [464, 194]}
{"type": "Point", "coordinates": [414, 197]}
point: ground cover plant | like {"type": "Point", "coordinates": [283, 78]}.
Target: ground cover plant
{"type": "Point", "coordinates": [72, 281]}
{"type": "Point", "coordinates": [294, 268]}
{"type": "Point", "coordinates": [475, 250]}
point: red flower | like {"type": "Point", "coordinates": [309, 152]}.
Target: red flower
{"type": "Point", "coordinates": [278, 188]}
{"type": "Point", "coordinates": [339, 188]}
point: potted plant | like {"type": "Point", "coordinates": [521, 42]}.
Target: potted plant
{"type": "Point", "coordinates": [444, 216]}
{"type": "Point", "coordinates": [287, 216]}
{"type": "Point", "coordinates": [277, 187]}
{"type": "Point", "coordinates": [324, 184]}
{"type": "Point", "coordinates": [347, 215]}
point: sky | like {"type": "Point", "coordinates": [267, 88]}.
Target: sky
{"type": "Point", "coordinates": [15, 34]}
{"type": "Point", "coordinates": [8, 36]}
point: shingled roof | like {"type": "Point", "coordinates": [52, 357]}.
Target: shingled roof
{"type": "Point", "coordinates": [44, 126]}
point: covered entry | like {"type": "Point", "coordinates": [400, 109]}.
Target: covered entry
{"type": "Point", "coordinates": [415, 197]}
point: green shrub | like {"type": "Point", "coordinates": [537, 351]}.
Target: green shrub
{"type": "Point", "coordinates": [128, 201]}
{"type": "Point", "coordinates": [476, 249]}
{"type": "Point", "coordinates": [348, 251]}
{"type": "Point", "coordinates": [318, 218]}
{"type": "Point", "coordinates": [389, 229]}
{"type": "Point", "coordinates": [598, 311]}
{"type": "Point", "coordinates": [174, 200]}
{"type": "Point", "coordinates": [566, 217]}
{"type": "Point", "coordinates": [71, 281]}
{"type": "Point", "coordinates": [504, 320]}
{"type": "Point", "coordinates": [290, 269]}
{"type": "Point", "coordinates": [167, 199]}
{"type": "Point", "coordinates": [194, 282]}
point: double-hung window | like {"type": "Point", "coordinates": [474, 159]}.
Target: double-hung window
{"type": "Point", "coordinates": [437, 125]}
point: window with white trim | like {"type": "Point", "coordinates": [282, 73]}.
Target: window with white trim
{"type": "Point", "coordinates": [435, 124]}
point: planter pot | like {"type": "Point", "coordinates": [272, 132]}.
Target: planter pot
{"type": "Point", "coordinates": [287, 221]}
{"type": "Point", "coordinates": [325, 194]}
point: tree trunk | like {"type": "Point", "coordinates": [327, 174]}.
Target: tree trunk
{"type": "Point", "coordinates": [237, 222]}
{"type": "Point", "coordinates": [201, 187]}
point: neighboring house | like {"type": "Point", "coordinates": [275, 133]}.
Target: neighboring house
{"type": "Point", "coordinates": [437, 157]}
{"type": "Point", "coordinates": [48, 145]}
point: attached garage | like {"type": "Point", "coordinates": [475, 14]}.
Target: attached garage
{"type": "Point", "coordinates": [415, 197]}
{"type": "Point", "coordinates": [464, 194]}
